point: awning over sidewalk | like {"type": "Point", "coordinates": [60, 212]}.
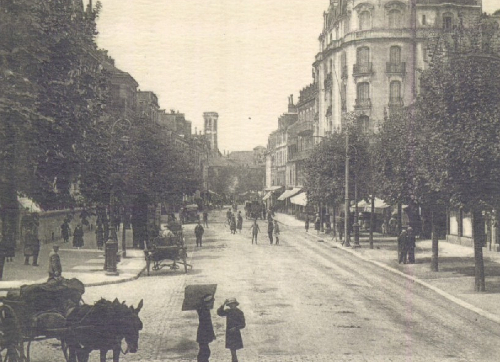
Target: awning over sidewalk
{"type": "Point", "coordinates": [289, 193]}
{"type": "Point", "coordinates": [268, 195]}
{"type": "Point", "coordinates": [29, 204]}
{"type": "Point", "coordinates": [273, 188]}
{"type": "Point", "coordinates": [300, 199]}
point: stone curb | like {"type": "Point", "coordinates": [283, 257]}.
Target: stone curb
{"type": "Point", "coordinates": [492, 317]}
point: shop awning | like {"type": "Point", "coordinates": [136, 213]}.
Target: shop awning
{"type": "Point", "coordinates": [29, 204]}
{"type": "Point", "coordinates": [273, 188]}
{"type": "Point", "coordinates": [289, 193]}
{"type": "Point", "coordinates": [300, 199]}
{"type": "Point", "coordinates": [268, 195]}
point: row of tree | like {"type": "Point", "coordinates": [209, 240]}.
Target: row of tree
{"type": "Point", "coordinates": [443, 151]}
{"type": "Point", "coordinates": [57, 129]}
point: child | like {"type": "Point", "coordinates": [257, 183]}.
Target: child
{"type": "Point", "coordinates": [255, 230]}
{"type": "Point", "coordinates": [235, 320]}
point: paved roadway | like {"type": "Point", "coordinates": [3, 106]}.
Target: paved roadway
{"type": "Point", "coordinates": [303, 300]}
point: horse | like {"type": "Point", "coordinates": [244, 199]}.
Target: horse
{"type": "Point", "coordinates": [102, 327]}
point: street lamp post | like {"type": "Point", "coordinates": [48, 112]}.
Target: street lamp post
{"type": "Point", "coordinates": [346, 209]}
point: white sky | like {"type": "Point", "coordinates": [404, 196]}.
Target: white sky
{"type": "Point", "coordinates": [240, 58]}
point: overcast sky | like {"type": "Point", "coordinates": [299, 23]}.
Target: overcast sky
{"type": "Point", "coordinates": [240, 58]}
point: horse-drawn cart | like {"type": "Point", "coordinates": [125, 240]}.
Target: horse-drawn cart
{"type": "Point", "coordinates": [36, 312]}
{"type": "Point", "coordinates": [168, 246]}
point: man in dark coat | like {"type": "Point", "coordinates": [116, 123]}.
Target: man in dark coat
{"type": "Point", "coordinates": [31, 245]}
{"type": "Point", "coordinates": [198, 232]}
{"type": "Point", "coordinates": [411, 245]}
{"type": "Point", "coordinates": [270, 229]}
{"type": "Point", "coordinates": [205, 333]}
{"type": "Point", "coordinates": [65, 231]}
{"type": "Point", "coordinates": [78, 236]}
{"type": "Point", "coordinates": [235, 320]}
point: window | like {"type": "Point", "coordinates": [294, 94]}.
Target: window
{"type": "Point", "coordinates": [363, 56]}
{"type": "Point", "coordinates": [364, 20]}
{"type": "Point", "coordinates": [363, 91]}
{"type": "Point", "coordinates": [343, 94]}
{"type": "Point", "coordinates": [395, 55]}
{"type": "Point", "coordinates": [347, 26]}
{"type": "Point", "coordinates": [395, 92]}
{"type": "Point", "coordinates": [424, 20]}
{"type": "Point", "coordinates": [447, 21]}
{"type": "Point", "coordinates": [394, 19]}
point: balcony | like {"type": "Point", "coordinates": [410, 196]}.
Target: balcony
{"type": "Point", "coordinates": [396, 102]}
{"type": "Point", "coordinates": [300, 155]}
{"type": "Point", "coordinates": [304, 128]}
{"type": "Point", "coordinates": [395, 68]}
{"type": "Point", "coordinates": [362, 69]}
{"type": "Point", "coordinates": [363, 103]}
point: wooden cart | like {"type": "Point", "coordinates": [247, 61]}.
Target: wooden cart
{"type": "Point", "coordinates": [163, 249]}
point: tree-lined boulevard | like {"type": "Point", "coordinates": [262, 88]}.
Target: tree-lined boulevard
{"type": "Point", "coordinates": [303, 300]}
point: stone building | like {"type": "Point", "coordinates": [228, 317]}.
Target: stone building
{"type": "Point", "coordinates": [371, 53]}
{"type": "Point", "coordinates": [210, 127]}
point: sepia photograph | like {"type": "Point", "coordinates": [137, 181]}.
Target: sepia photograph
{"type": "Point", "coordinates": [253, 181]}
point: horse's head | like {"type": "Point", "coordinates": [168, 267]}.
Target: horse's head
{"type": "Point", "coordinates": [133, 325]}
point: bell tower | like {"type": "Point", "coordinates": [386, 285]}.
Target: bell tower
{"type": "Point", "coordinates": [211, 119]}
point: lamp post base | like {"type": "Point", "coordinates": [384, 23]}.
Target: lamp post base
{"type": "Point", "coordinates": [110, 257]}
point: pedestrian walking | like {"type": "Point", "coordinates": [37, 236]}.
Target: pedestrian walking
{"type": "Point", "coordinates": [78, 236]}
{"type": "Point", "coordinates": [384, 228]}
{"type": "Point", "coordinates": [270, 230]}
{"type": "Point", "coordinates": [403, 246]}
{"type": "Point", "coordinates": [198, 232]}
{"type": "Point", "coordinates": [65, 230]}
{"type": "Point", "coordinates": [55, 268]}
{"type": "Point", "coordinates": [317, 224]}
{"type": "Point", "coordinates": [239, 222]}
{"type": "Point", "coordinates": [205, 333]}
{"type": "Point", "coordinates": [255, 230]}
{"type": "Point", "coordinates": [232, 225]}
{"type": "Point", "coordinates": [205, 218]}
{"type": "Point", "coordinates": [99, 236]}
{"type": "Point", "coordinates": [235, 321]}
{"type": "Point", "coordinates": [276, 232]}
{"type": "Point", "coordinates": [306, 225]}
{"type": "Point", "coordinates": [228, 217]}
{"type": "Point", "coordinates": [31, 245]}
{"type": "Point", "coordinates": [340, 227]}
{"type": "Point", "coordinates": [411, 245]}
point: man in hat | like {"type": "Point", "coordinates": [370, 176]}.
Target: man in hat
{"type": "Point", "coordinates": [55, 268]}
{"type": "Point", "coordinates": [235, 320]}
{"type": "Point", "coordinates": [411, 245]}
{"type": "Point", "coordinates": [403, 246]}
{"type": "Point", "coordinates": [198, 232]}
{"type": "Point", "coordinates": [205, 333]}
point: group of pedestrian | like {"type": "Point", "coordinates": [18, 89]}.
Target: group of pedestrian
{"type": "Point", "coordinates": [235, 221]}
{"type": "Point", "coordinates": [273, 229]}
{"type": "Point", "coordinates": [406, 246]}
{"type": "Point", "coordinates": [235, 321]}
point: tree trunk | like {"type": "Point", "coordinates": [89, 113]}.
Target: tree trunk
{"type": "Point", "coordinates": [479, 282]}
{"type": "Point", "coordinates": [372, 221]}
{"type": "Point", "coordinates": [435, 245]}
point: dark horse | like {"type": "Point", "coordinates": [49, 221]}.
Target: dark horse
{"type": "Point", "coordinates": [102, 327]}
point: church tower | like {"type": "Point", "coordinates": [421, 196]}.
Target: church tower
{"type": "Point", "coordinates": [211, 119]}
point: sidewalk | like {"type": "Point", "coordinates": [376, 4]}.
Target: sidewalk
{"type": "Point", "coordinates": [454, 281]}
{"type": "Point", "coordinates": [85, 264]}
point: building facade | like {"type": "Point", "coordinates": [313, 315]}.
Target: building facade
{"type": "Point", "coordinates": [371, 53]}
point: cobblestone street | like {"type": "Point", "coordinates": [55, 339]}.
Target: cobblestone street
{"type": "Point", "coordinates": [303, 301]}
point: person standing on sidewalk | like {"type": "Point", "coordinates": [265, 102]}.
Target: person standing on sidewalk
{"type": "Point", "coordinates": [198, 232]}
{"type": "Point", "coordinates": [255, 230]}
{"type": "Point", "coordinates": [65, 231]}
{"type": "Point", "coordinates": [306, 225]}
{"type": "Point", "coordinates": [78, 236]}
{"type": "Point", "coordinates": [205, 333]}
{"type": "Point", "coordinates": [276, 232]}
{"type": "Point", "coordinates": [235, 320]}
{"type": "Point", "coordinates": [403, 246]}
{"type": "Point", "coordinates": [317, 224]}
{"type": "Point", "coordinates": [270, 230]}
{"type": "Point", "coordinates": [55, 268]}
{"type": "Point", "coordinates": [239, 222]}
{"type": "Point", "coordinates": [411, 245]}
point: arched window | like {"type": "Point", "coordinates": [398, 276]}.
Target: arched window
{"type": "Point", "coordinates": [395, 92]}
{"type": "Point", "coordinates": [365, 20]}
{"type": "Point", "coordinates": [395, 54]}
{"type": "Point", "coordinates": [395, 19]}
{"type": "Point", "coordinates": [363, 56]}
